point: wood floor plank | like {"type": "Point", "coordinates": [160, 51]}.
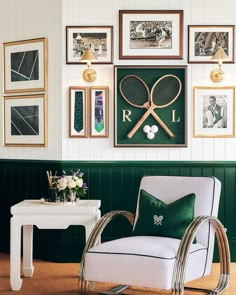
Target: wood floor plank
{"type": "Point", "coordinates": [52, 278]}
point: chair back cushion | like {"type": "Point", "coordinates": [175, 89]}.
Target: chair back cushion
{"type": "Point", "coordinates": [168, 189]}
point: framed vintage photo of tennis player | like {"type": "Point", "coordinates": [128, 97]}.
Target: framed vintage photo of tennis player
{"type": "Point", "coordinates": [80, 38]}
{"type": "Point", "coordinates": [99, 115]}
{"type": "Point", "coordinates": [203, 41]}
{"type": "Point", "coordinates": [150, 106]}
{"type": "Point", "coordinates": [214, 111]}
{"type": "Point", "coordinates": [151, 34]}
{"type": "Point", "coordinates": [25, 66]}
{"type": "Point", "coordinates": [25, 120]}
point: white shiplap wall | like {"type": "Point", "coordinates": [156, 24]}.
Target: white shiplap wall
{"type": "Point", "coordinates": [28, 19]}
{"type": "Point", "coordinates": [36, 18]}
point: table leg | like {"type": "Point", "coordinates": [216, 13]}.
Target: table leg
{"type": "Point", "coordinates": [15, 257]}
{"type": "Point", "coordinates": [28, 268]}
{"type": "Point", "coordinates": [88, 229]}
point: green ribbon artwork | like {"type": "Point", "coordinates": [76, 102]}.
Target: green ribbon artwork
{"type": "Point", "coordinates": [99, 119]}
{"type": "Point", "coordinates": [78, 112]}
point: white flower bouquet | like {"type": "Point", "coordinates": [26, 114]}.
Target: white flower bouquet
{"type": "Point", "coordinates": [70, 185]}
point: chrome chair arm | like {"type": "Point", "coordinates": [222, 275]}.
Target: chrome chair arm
{"type": "Point", "coordinates": [183, 253]}
{"type": "Point", "coordinates": [98, 229]}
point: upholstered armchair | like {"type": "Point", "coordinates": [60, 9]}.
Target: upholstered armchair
{"type": "Point", "coordinates": [172, 240]}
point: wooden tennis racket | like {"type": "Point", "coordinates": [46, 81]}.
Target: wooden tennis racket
{"type": "Point", "coordinates": [135, 91]}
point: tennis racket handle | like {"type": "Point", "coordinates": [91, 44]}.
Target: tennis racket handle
{"type": "Point", "coordinates": [163, 125]}
{"type": "Point", "coordinates": [139, 123]}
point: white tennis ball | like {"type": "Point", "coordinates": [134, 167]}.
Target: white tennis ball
{"type": "Point", "coordinates": [154, 129]}
{"type": "Point", "coordinates": [146, 128]}
{"type": "Point", "coordinates": [150, 135]}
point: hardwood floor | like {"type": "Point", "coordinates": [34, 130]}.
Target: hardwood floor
{"type": "Point", "coordinates": [62, 279]}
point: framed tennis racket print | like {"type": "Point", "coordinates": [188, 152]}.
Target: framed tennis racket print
{"type": "Point", "coordinates": [150, 106]}
{"type": "Point", "coordinates": [25, 66]}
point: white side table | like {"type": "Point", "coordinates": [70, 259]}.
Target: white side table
{"type": "Point", "coordinates": [56, 216]}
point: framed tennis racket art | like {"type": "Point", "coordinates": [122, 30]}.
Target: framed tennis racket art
{"type": "Point", "coordinates": [25, 65]}
{"type": "Point", "coordinates": [150, 106]}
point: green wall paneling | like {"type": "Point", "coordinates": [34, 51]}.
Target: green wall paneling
{"type": "Point", "coordinates": [116, 183]}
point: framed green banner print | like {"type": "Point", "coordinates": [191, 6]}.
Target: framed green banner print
{"type": "Point", "coordinates": [150, 106]}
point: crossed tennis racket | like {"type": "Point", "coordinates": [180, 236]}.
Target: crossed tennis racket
{"type": "Point", "coordinates": [163, 93]}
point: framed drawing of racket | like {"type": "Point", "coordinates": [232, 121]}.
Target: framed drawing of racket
{"type": "Point", "coordinates": [150, 106]}
{"type": "Point", "coordinates": [151, 34]}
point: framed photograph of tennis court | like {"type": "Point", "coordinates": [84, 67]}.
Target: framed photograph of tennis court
{"type": "Point", "coordinates": [78, 111]}
{"type": "Point", "coordinates": [25, 120]}
{"type": "Point", "coordinates": [214, 111]}
{"type": "Point", "coordinates": [25, 66]}
{"type": "Point", "coordinates": [99, 117]}
{"type": "Point", "coordinates": [203, 41]}
{"type": "Point", "coordinates": [80, 38]}
{"type": "Point", "coordinates": [151, 34]}
{"type": "Point", "coordinates": [150, 106]}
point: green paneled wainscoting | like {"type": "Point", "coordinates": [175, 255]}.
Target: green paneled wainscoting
{"type": "Point", "coordinates": [116, 183]}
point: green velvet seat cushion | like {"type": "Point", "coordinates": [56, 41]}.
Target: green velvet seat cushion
{"type": "Point", "coordinates": [156, 218]}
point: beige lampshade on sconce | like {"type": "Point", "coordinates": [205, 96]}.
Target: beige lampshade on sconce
{"type": "Point", "coordinates": [89, 74]}
{"type": "Point", "coordinates": [217, 75]}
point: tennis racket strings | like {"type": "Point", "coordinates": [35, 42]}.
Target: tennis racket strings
{"type": "Point", "coordinates": [134, 91]}
{"type": "Point", "coordinates": [165, 91]}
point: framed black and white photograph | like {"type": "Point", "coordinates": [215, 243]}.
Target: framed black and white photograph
{"type": "Point", "coordinates": [78, 111]}
{"type": "Point", "coordinates": [25, 120]}
{"type": "Point", "coordinates": [150, 34]}
{"type": "Point", "coordinates": [214, 111]}
{"type": "Point", "coordinates": [203, 41]}
{"type": "Point", "coordinates": [80, 38]}
{"type": "Point", "coordinates": [25, 66]}
{"type": "Point", "coordinates": [99, 119]}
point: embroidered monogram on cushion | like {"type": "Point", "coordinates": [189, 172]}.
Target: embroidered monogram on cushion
{"type": "Point", "coordinates": [158, 219]}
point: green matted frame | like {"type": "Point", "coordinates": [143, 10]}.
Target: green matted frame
{"type": "Point", "coordinates": [174, 115]}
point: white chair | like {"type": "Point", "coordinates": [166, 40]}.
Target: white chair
{"type": "Point", "coordinates": [158, 261]}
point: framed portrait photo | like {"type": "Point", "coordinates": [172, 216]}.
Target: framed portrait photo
{"type": "Point", "coordinates": [204, 40]}
{"type": "Point", "coordinates": [214, 111]}
{"type": "Point", "coordinates": [151, 34]}
{"type": "Point", "coordinates": [78, 111]}
{"type": "Point", "coordinates": [25, 66]}
{"type": "Point", "coordinates": [80, 38]}
{"type": "Point", "coordinates": [99, 117]}
{"type": "Point", "coordinates": [25, 120]}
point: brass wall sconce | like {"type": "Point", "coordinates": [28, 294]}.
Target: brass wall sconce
{"type": "Point", "coordinates": [217, 75]}
{"type": "Point", "coordinates": [89, 74]}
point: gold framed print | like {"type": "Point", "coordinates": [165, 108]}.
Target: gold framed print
{"type": "Point", "coordinates": [78, 111]}
{"type": "Point", "coordinates": [25, 120]}
{"type": "Point", "coordinates": [99, 119]}
{"type": "Point", "coordinates": [25, 66]}
{"type": "Point", "coordinates": [214, 111]}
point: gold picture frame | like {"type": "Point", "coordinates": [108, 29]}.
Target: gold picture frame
{"type": "Point", "coordinates": [78, 111]}
{"type": "Point", "coordinates": [99, 115]}
{"type": "Point", "coordinates": [25, 65]}
{"type": "Point", "coordinates": [214, 111]}
{"type": "Point", "coordinates": [25, 120]}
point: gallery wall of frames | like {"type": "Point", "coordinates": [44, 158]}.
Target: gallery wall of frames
{"type": "Point", "coordinates": [153, 97]}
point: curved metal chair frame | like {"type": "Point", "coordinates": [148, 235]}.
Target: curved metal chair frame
{"type": "Point", "coordinates": [182, 254]}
